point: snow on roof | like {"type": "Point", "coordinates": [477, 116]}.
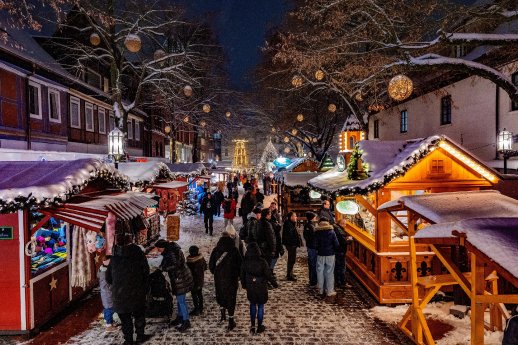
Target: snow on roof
{"type": "Point", "coordinates": [299, 179]}
{"type": "Point", "coordinates": [41, 182]}
{"type": "Point", "coordinates": [497, 238]}
{"type": "Point", "coordinates": [352, 124]}
{"type": "Point", "coordinates": [455, 206]}
{"type": "Point", "coordinates": [298, 161]}
{"type": "Point", "coordinates": [186, 168]}
{"type": "Point", "coordinates": [172, 184]}
{"type": "Point", "coordinates": [145, 172]}
{"type": "Point", "coordinates": [32, 155]}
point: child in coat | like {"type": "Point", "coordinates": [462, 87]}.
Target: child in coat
{"type": "Point", "coordinates": [197, 264]}
{"type": "Point", "coordinates": [255, 275]}
{"type": "Point", "coordinates": [106, 296]}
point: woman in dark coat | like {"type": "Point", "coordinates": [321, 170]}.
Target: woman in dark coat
{"type": "Point", "coordinates": [128, 274]}
{"type": "Point", "coordinates": [181, 279]}
{"type": "Point", "coordinates": [225, 264]}
{"type": "Point", "coordinates": [255, 275]}
{"type": "Point", "coordinates": [291, 240]}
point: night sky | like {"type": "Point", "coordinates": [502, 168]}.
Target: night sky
{"type": "Point", "coordinates": [240, 26]}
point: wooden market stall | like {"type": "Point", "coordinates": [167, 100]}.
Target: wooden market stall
{"type": "Point", "coordinates": [171, 194]}
{"type": "Point", "coordinates": [377, 172]}
{"type": "Point", "coordinates": [42, 239]}
{"type": "Point", "coordinates": [489, 234]}
{"type": "Point", "coordinates": [143, 174]}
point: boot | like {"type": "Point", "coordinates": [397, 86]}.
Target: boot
{"type": "Point", "coordinates": [231, 323]}
{"type": "Point", "coordinates": [261, 329]}
{"type": "Point", "coordinates": [176, 321]}
{"type": "Point", "coordinates": [184, 326]}
{"type": "Point", "coordinates": [252, 330]}
{"type": "Point", "coordinates": [223, 315]}
{"type": "Point", "coordinates": [142, 338]}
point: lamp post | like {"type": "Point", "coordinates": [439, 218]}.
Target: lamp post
{"type": "Point", "coordinates": [505, 146]}
{"type": "Point", "coordinates": [116, 145]}
{"type": "Point", "coordinates": [167, 131]}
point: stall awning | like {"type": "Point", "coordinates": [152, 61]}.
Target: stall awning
{"type": "Point", "coordinates": [172, 185]}
{"type": "Point", "coordinates": [92, 214]}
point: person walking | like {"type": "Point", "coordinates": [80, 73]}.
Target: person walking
{"type": "Point", "coordinates": [259, 197]}
{"type": "Point", "coordinates": [181, 279]}
{"type": "Point", "coordinates": [255, 276]}
{"type": "Point", "coordinates": [247, 205]}
{"type": "Point", "coordinates": [197, 264]}
{"type": "Point", "coordinates": [208, 208]}
{"type": "Point", "coordinates": [327, 244]}
{"type": "Point", "coordinates": [309, 237]}
{"type": "Point", "coordinates": [248, 232]}
{"type": "Point", "coordinates": [229, 210]}
{"type": "Point", "coordinates": [230, 186]}
{"type": "Point", "coordinates": [225, 265]}
{"type": "Point", "coordinates": [341, 236]}
{"type": "Point", "coordinates": [106, 295]}
{"type": "Point", "coordinates": [218, 200]}
{"type": "Point", "coordinates": [291, 240]}
{"type": "Point", "coordinates": [274, 210]}
{"type": "Point", "coordinates": [266, 236]}
{"type": "Point", "coordinates": [277, 229]}
{"type": "Point", "coordinates": [128, 274]}
{"type": "Point", "coordinates": [325, 212]}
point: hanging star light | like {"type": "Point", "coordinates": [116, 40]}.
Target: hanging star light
{"type": "Point", "coordinates": [287, 150]}
{"type": "Point", "coordinates": [186, 119]}
{"type": "Point", "coordinates": [296, 81]}
{"type": "Point", "coordinates": [358, 97]}
{"type": "Point", "coordinates": [319, 75]}
{"type": "Point", "coordinates": [187, 91]}
{"type": "Point", "coordinates": [95, 39]}
{"type": "Point", "coordinates": [228, 114]}
{"type": "Point", "coordinates": [274, 130]}
{"type": "Point", "coordinates": [203, 123]}
{"type": "Point", "coordinates": [294, 131]}
{"type": "Point", "coordinates": [331, 107]}
{"type": "Point", "coordinates": [286, 139]}
{"type": "Point", "coordinates": [300, 117]}
{"type": "Point", "coordinates": [400, 87]}
{"type": "Point", "coordinates": [206, 108]}
{"type": "Point", "coordinates": [133, 43]}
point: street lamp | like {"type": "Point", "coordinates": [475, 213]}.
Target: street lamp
{"type": "Point", "coordinates": [116, 145]}
{"type": "Point", "coordinates": [167, 130]}
{"type": "Point", "coordinates": [505, 146]}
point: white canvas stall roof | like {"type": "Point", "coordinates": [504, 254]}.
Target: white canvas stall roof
{"type": "Point", "coordinates": [145, 172]}
{"type": "Point", "coordinates": [384, 160]}
{"type": "Point", "coordinates": [456, 206]}
{"type": "Point", "coordinates": [172, 185]}
{"type": "Point", "coordinates": [496, 238]}
{"type": "Point", "coordinates": [294, 179]}
{"type": "Point", "coordinates": [186, 168]}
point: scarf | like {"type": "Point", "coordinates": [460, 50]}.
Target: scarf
{"type": "Point", "coordinates": [81, 261]}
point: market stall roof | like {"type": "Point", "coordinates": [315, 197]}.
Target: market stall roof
{"type": "Point", "coordinates": [386, 161]}
{"type": "Point", "coordinates": [145, 172]}
{"type": "Point", "coordinates": [298, 179]}
{"type": "Point", "coordinates": [455, 206]}
{"type": "Point", "coordinates": [92, 213]}
{"type": "Point", "coordinates": [186, 168]}
{"type": "Point", "coordinates": [297, 162]}
{"type": "Point", "coordinates": [352, 124]}
{"type": "Point", "coordinates": [495, 238]}
{"type": "Point", "coordinates": [172, 185]}
{"type": "Point", "coordinates": [42, 183]}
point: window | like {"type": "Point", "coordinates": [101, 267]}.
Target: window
{"type": "Point", "coordinates": [112, 121]}
{"type": "Point", "coordinates": [404, 121]}
{"type": "Point", "coordinates": [437, 166]}
{"type": "Point", "coordinates": [89, 117]}
{"type": "Point", "coordinates": [35, 100]}
{"type": "Point", "coordinates": [93, 78]}
{"type": "Point", "coordinates": [376, 129]}
{"type": "Point", "coordinates": [514, 104]}
{"type": "Point", "coordinates": [54, 106]}
{"type": "Point", "coordinates": [137, 131]}
{"type": "Point", "coordinates": [75, 118]}
{"type": "Point", "coordinates": [446, 110]}
{"type": "Point", "coordinates": [226, 152]}
{"type": "Point", "coordinates": [102, 120]}
{"type": "Point", "coordinates": [130, 130]}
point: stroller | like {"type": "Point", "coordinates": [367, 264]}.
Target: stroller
{"type": "Point", "coordinates": [159, 299]}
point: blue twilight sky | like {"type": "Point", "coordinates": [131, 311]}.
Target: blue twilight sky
{"type": "Point", "coordinates": [240, 26]}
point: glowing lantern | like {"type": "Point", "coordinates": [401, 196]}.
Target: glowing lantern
{"type": "Point", "coordinates": [228, 113]}
{"type": "Point", "coordinates": [400, 87]}
{"type": "Point", "coordinates": [358, 97]}
{"type": "Point", "coordinates": [286, 139]}
{"type": "Point", "coordinates": [95, 40]}
{"type": "Point", "coordinates": [300, 117]}
{"type": "Point", "coordinates": [206, 108]}
{"type": "Point", "coordinates": [296, 81]}
{"type": "Point", "coordinates": [306, 140]}
{"type": "Point", "coordinates": [319, 75]}
{"type": "Point", "coordinates": [167, 129]}
{"type": "Point", "coordinates": [187, 91]}
{"type": "Point", "coordinates": [294, 131]}
{"type": "Point", "coordinates": [331, 107]}
{"type": "Point", "coordinates": [158, 54]}
{"type": "Point", "coordinates": [133, 43]}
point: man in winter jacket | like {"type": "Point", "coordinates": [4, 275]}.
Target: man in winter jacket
{"type": "Point", "coordinates": [174, 264]}
{"type": "Point", "coordinates": [248, 232]}
{"type": "Point", "coordinates": [325, 212]}
{"type": "Point", "coordinates": [266, 236]}
{"type": "Point", "coordinates": [511, 330]}
{"type": "Point", "coordinates": [309, 237]}
{"type": "Point", "coordinates": [128, 274]}
{"type": "Point", "coordinates": [259, 197]}
{"type": "Point", "coordinates": [291, 240]}
{"type": "Point", "coordinates": [197, 264]}
{"type": "Point", "coordinates": [247, 205]}
{"type": "Point", "coordinates": [218, 199]}
{"type": "Point", "coordinates": [327, 245]}
{"type": "Point", "coordinates": [341, 236]}
{"type": "Point", "coordinates": [208, 208]}
{"type": "Point", "coordinates": [277, 228]}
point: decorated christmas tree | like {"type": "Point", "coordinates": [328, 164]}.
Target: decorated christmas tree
{"type": "Point", "coordinates": [269, 155]}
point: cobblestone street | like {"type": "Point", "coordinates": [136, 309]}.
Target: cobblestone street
{"type": "Point", "coordinates": [293, 314]}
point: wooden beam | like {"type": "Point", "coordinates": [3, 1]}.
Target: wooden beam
{"type": "Point", "coordinates": [361, 200]}
{"type": "Point", "coordinates": [40, 224]}
{"type": "Point", "coordinates": [478, 283]}
{"type": "Point", "coordinates": [513, 299]}
{"type": "Point", "coordinates": [417, 329]}
{"type": "Point", "coordinates": [453, 269]}
{"type": "Point", "coordinates": [398, 222]}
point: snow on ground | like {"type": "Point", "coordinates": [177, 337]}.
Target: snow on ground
{"type": "Point", "coordinates": [460, 335]}
{"type": "Point", "coordinates": [293, 314]}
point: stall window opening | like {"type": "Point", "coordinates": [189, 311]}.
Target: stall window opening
{"type": "Point", "coordinates": [51, 245]}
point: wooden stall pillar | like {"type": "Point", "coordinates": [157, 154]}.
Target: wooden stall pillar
{"type": "Point", "coordinates": [477, 308]}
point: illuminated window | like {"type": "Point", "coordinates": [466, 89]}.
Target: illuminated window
{"type": "Point", "coordinates": [437, 166]}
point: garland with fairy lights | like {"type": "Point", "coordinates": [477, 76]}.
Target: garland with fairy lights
{"type": "Point", "coordinates": [162, 171]}
{"type": "Point", "coordinates": [109, 175]}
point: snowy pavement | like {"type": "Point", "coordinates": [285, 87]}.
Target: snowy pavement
{"type": "Point", "coordinates": [293, 314]}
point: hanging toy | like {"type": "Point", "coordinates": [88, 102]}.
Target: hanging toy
{"type": "Point", "coordinates": [91, 240]}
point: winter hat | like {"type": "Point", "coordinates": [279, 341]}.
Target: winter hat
{"type": "Point", "coordinates": [161, 243]}
{"type": "Point", "coordinates": [310, 216]}
{"type": "Point", "coordinates": [194, 250]}
{"type": "Point", "coordinates": [256, 210]}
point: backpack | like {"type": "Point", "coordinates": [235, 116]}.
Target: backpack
{"type": "Point", "coordinates": [227, 205]}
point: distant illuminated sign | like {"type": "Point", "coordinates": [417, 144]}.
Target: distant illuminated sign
{"type": "Point", "coordinates": [314, 195]}
{"type": "Point", "coordinates": [347, 207]}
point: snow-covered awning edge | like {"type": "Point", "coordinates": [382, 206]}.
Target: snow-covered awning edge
{"type": "Point", "coordinates": [12, 200]}
{"type": "Point", "coordinates": [160, 169]}
{"type": "Point", "coordinates": [398, 169]}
